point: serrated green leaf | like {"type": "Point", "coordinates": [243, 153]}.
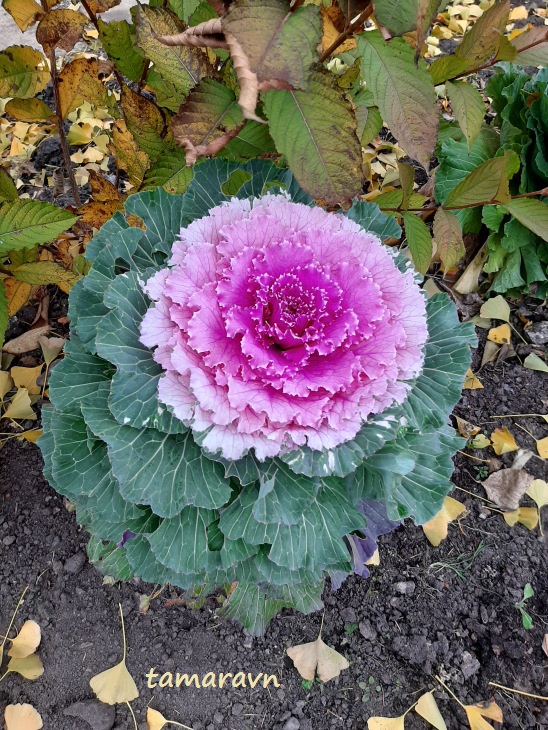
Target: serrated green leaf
{"type": "Point", "coordinates": [487, 184]}
{"type": "Point", "coordinates": [448, 237]}
{"type": "Point", "coordinates": [146, 123]}
{"type": "Point", "coordinates": [403, 92]}
{"type": "Point", "coordinates": [118, 39]}
{"type": "Point", "coordinates": [279, 44]}
{"type": "Point", "coordinates": [370, 217]}
{"type": "Point", "coordinates": [182, 66]}
{"type": "Point", "coordinates": [253, 140]}
{"type": "Point", "coordinates": [419, 241]}
{"type": "Point", "coordinates": [209, 111]}
{"type": "Point", "coordinates": [316, 131]}
{"type": "Point", "coordinates": [184, 9]}
{"type": "Point", "coordinates": [26, 223]}
{"type": "Point", "coordinates": [171, 172]}
{"type": "Point", "coordinates": [369, 122]}
{"type": "Point", "coordinates": [531, 213]}
{"type": "Point", "coordinates": [468, 108]}
{"type": "Point", "coordinates": [532, 46]}
{"type": "Point", "coordinates": [43, 272]}
{"type": "Point", "coordinates": [24, 72]}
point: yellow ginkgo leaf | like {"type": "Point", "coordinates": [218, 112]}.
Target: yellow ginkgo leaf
{"type": "Point", "coordinates": [477, 713]}
{"type": "Point", "coordinates": [29, 667]}
{"type": "Point", "coordinates": [31, 436]}
{"type": "Point", "coordinates": [496, 308]}
{"type": "Point", "coordinates": [22, 717]}
{"type": "Point", "coordinates": [386, 723]}
{"type": "Point", "coordinates": [436, 528]}
{"type": "Point", "coordinates": [538, 491]}
{"type": "Point", "coordinates": [156, 721]}
{"type": "Point", "coordinates": [542, 448]}
{"type": "Point", "coordinates": [471, 382]}
{"type": "Point", "coordinates": [503, 441]}
{"type": "Point", "coordinates": [526, 516]}
{"type": "Point", "coordinates": [115, 685]}
{"type": "Point", "coordinates": [375, 559]}
{"type": "Point", "coordinates": [500, 335]}
{"type": "Point", "coordinates": [26, 378]}
{"type": "Point", "coordinates": [19, 407]}
{"type": "Point", "coordinates": [26, 642]}
{"type": "Point", "coordinates": [427, 708]}
{"type": "Point", "coordinates": [465, 428]}
{"type": "Point", "coordinates": [480, 441]}
{"type": "Point", "coordinates": [317, 657]}
{"type": "Point", "coordinates": [51, 347]}
{"type": "Point", "coordinates": [6, 383]}
{"type": "Point", "coordinates": [519, 13]}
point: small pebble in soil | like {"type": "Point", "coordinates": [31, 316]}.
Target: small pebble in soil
{"type": "Point", "coordinates": [292, 724]}
{"type": "Point", "coordinates": [98, 715]}
{"type": "Point", "coordinates": [237, 708]}
{"type": "Point", "coordinates": [469, 665]}
{"type": "Point", "coordinates": [407, 587]}
{"type": "Point", "coordinates": [75, 564]}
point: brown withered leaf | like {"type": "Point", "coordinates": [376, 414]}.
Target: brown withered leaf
{"type": "Point", "coordinates": [333, 24]}
{"type": "Point", "coordinates": [17, 294]}
{"type": "Point", "coordinates": [24, 12]}
{"type": "Point", "coordinates": [102, 190]}
{"type": "Point", "coordinates": [96, 214]}
{"type": "Point", "coordinates": [101, 6]}
{"type": "Point", "coordinates": [129, 158]}
{"type": "Point", "coordinates": [26, 342]}
{"type": "Point", "coordinates": [146, 123]}
{"type": "Point", "coordinates": [506, 487]}
{"type": "Point", "coordinates": [60, 29]}
{"type": "Point", "coordinates": [79, 82]}
{"type": "Point", "coordinates": [448, 237]}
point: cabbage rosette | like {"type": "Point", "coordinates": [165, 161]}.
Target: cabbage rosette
{"type": "Point", "coordinates": [254, 390]}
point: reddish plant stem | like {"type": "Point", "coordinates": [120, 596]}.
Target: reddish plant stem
{"type": "Point", "coordinates": [360, 20]}
{"type": "Point", "coordinates": [493, 61]}
{"type": "Point", "coordinates": [142, 80]}
{"type": "Point", "coordinates": [61, 130]}
{"type": "Point", "coordinates": [399, 209]}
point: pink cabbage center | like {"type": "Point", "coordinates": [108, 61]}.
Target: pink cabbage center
{"type": "Point", "coordinates": [280, 325]}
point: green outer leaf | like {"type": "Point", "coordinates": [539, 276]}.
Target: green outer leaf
{"type": "Point", "coordinates": [448, 238]}
{"type": "Point", "coordinates": [279, 44]}
{"type": "Point", "coordinates": [182, 66]}
{"type": "Point", "coordinates": [316, 131]}
{"type": "Point", "coordinates": [468, 108]}
{"type": "Point", "coordinates": [180, 543]}
{"type": "Point", "coordinates": [531, 213]}
{"type": "Point", "coordinates": [419, 241]}
{"type": "Point", "coordinates": [78, 376]}
{"type": "Point", "coordinates": [252, 141]}
{"type": "Point", "coordinates": [109, 559]}
{"type": "Point", "coordinates": [369, 121]}
{"type": "Point", "coordinates": [118, 39]}
{"type": "Point", "coordinates": [488, 183]}
{"type": "Point", "coordinates": [283, 495]}
{"type": "Point", "coordinates": [4, 315]}
{"type": "Point", "coordinates": [403, 92]}
{"type": "Point", "coordinates": [536, 55]}
{"type": "Point", "coordinates": [25, 223]}
{"type": "Point", "coordinates": [398, 16]}
{"type": "Point", "coordinates": [24, 72]}
{"type": "Point", "coordinates": [447, 357]}
{"type": "Point", "coordinates": [370, 217]}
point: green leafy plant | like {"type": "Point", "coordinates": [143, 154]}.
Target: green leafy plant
{"type": "Point", "coordinates": [528, 593]}
{"type": "Point", "coordinates": [162, 502]}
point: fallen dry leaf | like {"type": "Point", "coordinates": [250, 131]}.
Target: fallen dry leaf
{"type": "Point", "coordinates": [51, 348]}
{"type": "Point", "coordinates": [26, 342]}
{"type": "Point", "coordinates": [503, 441]}
{"type": "Point", "coordinates": [386, 723]}
{"type": "Point", "coordinates": [490, 352]}
{"type": "Point", "coordinates": [427, 708]}
{"type": "Point", "coordinates": [545, 644]}
{"type": "Point", "coordinates": [526, 516]}
{"type": "Point", "coordinates": [6, 383]}
{"type": "Point", "coordinates": [156, 721]}
{"type": "Point", "coordinates": [27, 640]}
{"type": "Point", "coordinates": [31, 436]}
{"type": "Point", "coordinates": [22, 717]}
{"type": "Point", "coordinates": [496, 308]}
{"type": "Point", "coordinates": [20, 407]}
{"type": "Point", "coordinates": [538, 491]}
{"type": "Point", "coordinates": [465, 428]}
{"type": "Point", "coordinates": [317, 657]}
{"type": "Point", "coordinates": [471, 382]}
{"type": "Point", "coordinates": [542, 447]}
{"type": "Point", "coordinates": [506, 487]}
{"type": "Point", "coordinates": [533, 362]}
{"type": "Point", "coordinates": [519, 13]}
{"type": "Point", "coordinates": [477, 713]}
{"type": "Point", "coordinates": [29, 667]}
{"type": "Point", "coordinates": [26, 378]}
{"type": "Point", "coordinates": [436, 528]}
{"type": "Point", "coordinates": [500, 335]}
{"type": "Point", "coordinates": [480, 441]}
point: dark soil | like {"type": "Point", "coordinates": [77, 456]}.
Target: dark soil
{"type": "Point", "coordinates": [425, 611]}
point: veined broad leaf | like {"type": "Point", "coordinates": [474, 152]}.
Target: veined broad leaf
{"type": "Point", "coordinates": [279, 44]}
{"type": "Point", "coordinates": [316, 131]}
{"type": "Point", "coordinates": [26, 223]}
{"type": "Point", "coordinates": [24, 72]}
{"type": "Point", "coordinates": [118, 40]}
{"type": "Point", "coordinates": [532, 46]}
{"type": "Point", "coordinates": [8, 191]}
{"type": "Point", "coordinates": [533, 214]}
{"type": "Point", "coordinates": [419, 241]}
{"type": "Point", "coordinates": [24, 12]}
{"type": "Point", "coordinates": [182, 66]}
{"type": "Point", "coordinates": [370, 217]}
{"type": "Point", "coordinates": [171, 172]}
{"type": "Point", "coordinates": [448, 238]}
{"type": "Point", "coordinates": [403, 92]}
{"type": "Point", "coordinates": [487, 184]}
{"type": "Point", "coordinates": [60, 29]}
{"type": "Point", "coordinates": [4, 315]}
{"type": "Point", "coordinates": [146, 123]}
{"type": "Point", "coordinates": [468, 108]}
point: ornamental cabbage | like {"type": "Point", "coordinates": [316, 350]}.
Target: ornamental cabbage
{"type": "Point", "coordinates": [254, 390]}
